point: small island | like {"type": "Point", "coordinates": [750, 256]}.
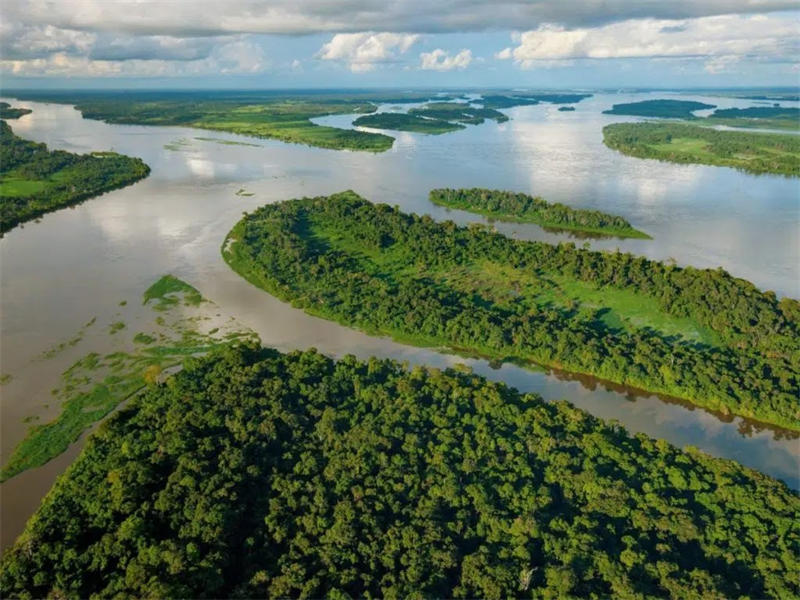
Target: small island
{"type": "Point", "coordinates": [6, 112]}
{"type": "Point", "coordinates": [407, 122]}
{"type": "Point", "coordinates": [523, 208]}
{"type": "Point", "coordinates": [256, 474]}
{"type": "Point", "coordinates": [35, 180]}
{"type": "Point", "coordinates": [458, 112]}
{"type": "Point", "coordinates": [673, 109]}
{"type": "Point", "coordinates": [621, 318]}
{"type": "Point", "coordinates": [566, 108]}
{"type": "Point", "coordinates": [753, 152]}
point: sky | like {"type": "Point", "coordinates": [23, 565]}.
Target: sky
{"type": "Point", "coordinates": [399, 43]}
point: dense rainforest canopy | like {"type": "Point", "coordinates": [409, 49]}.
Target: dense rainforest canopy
{"type": "Point", "coordinates": [777, 153]}
{"type": "Point", "coordinates": [676, 109]}
{"type": "Point", "coordinates": [35, 180]}
{"type": "Point", "coordinates": [511, 206]}
{"type": "Point", "coordinates": [700, 335]}
{"type": "Point", "coordinates": [406, 122]}
{"type": "Point", "coordinates": [256, 474]}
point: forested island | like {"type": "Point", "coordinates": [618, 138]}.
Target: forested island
{"type": "Point", "coordinates": [524, 208]}
{"type": "Point", "coordinates": [458, 112]}
{"type": "Point", "coordinates": [770, 117]}
{"type": "Point", "coordinates": [754, 152]}
{"type": "Point", "coordinates": [255, 474]}
{"type": "Point", "coordinates": [775, 117]}
{"type": "Point", "coordinates": [407, 122]}
{"type": "Point", "coordinates": [35, 180]}
{"type": "Point", "coordinates": [433, 118]}
{"type": "Point", "coordinates": [674, 109]}
{"type": "Point", "coordinates": [510, 101]}
{"type": "Point", "coordinates": [625, 319]}
{"type": "Point", "coordinates": [6, 112]}
{"type": "Point", "coordinates": [287, 119]}
{"type": "Point", "coordinates": [566, 108]}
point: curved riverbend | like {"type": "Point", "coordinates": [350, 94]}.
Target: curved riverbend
{"type": "Point", "coordinates": [80, 263]}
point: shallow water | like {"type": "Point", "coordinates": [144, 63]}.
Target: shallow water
{"type": "Point", "coordinates": [82, 262]}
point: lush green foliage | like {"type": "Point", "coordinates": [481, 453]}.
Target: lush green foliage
{"type": "Point", "coordinates": [406, 122]}
{"type": "Point", "coordinates": [502, 101]}
{"type": "Point", "coordinates": [256, 474]}
{"type": "Point", "coordinates": [701, 335]}
{"type": "Point", "coordinates": [285, 120]}
{"type": "Point", "coordinates": [758, 112]}
{"type": "Point", "coordinates": [511, 206]}
{"type": "Point", "coordinates": [458, 112]}
{"type": "Point", "coordinates": [35, 181]}
{"type": "Point", "coordinates": [497, 101]}
{"type": "Point", "coordinates": [749, 151]}
{"type": "Point", "coordinates": [772, 117]}
{"type": "Point", "coordinates": [6, 112]}
{"type": "Point", "coordinates": [676, 109]}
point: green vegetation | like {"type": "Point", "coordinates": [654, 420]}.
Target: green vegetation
{"type": "Point", "coordinates": [285, 120]}
{"type": "Point", "coordinates": [566, 108]}
{"type": "Point", "coordinates": [674, 109]}
{"type": "Point", "coordinates": [6, 112]}
{"type": "Point", "coordinates": [170, 291]}
{"type": "Point", "coordinates": [767, 117]}
{"type": "Point", "coordinates": [252, 474]}
{"type": "Point", "coordinates": [406, 122]}
{"type": "Point", "coordinates": [458, 112]}
{"type": "Point", "coordinates": [226, 142]}
{"type": "Point", "coordinates": [700, 335]}
{"type": "Point", "coordinates": [97, 383]}
{"type": "Point", "coordinates": [35, 181]}
{"type": "Point", "coordinates": [510, 206]}
{"type": "Point", "coordinates": [749, 151]}
{"type": "Point", "coordinates": [497, 101]}
{"type": "Point", "coordinates": [509, 101]}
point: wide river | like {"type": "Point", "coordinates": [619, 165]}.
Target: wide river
{"type": "Point", "coordinates": [79, 263]}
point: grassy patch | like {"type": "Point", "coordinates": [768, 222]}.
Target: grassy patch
{"type": "Point", "coordinates": [169, 291]}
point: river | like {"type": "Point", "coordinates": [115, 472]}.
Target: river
{"type": "Point", "coordinates": [80, 263]}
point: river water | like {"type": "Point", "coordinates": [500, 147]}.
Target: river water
{"type": "Point", "coordinates": [81, 262]}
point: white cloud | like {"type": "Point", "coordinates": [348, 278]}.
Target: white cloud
{"type": "Point", "coordinates": [363, 51]}
{"type": "Point", "coordinates": [720, 64]}
{"type": "Point", "coordinates": [233, 57]}
{"type": "Point", "coordinates": [194, 18]}
{"type": "Point", "coordinates": [722, 36]}
{"type": "Point", "coordinates": [440, 60]}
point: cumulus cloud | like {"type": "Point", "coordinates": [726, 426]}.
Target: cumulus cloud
{"type": "Point", "coordinates": [440, 60]}
{"type": "Point", "coordinates": [363, 51]}
{"type": "Point", "coordinates": [210, 17]}
{"type": "Point", "coordinates": [232, 57]}
{"type": "Point", "coordinates": [721, 36]}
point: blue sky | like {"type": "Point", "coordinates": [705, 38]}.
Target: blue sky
{"type": "Point", "coordinates": [399, 43]}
